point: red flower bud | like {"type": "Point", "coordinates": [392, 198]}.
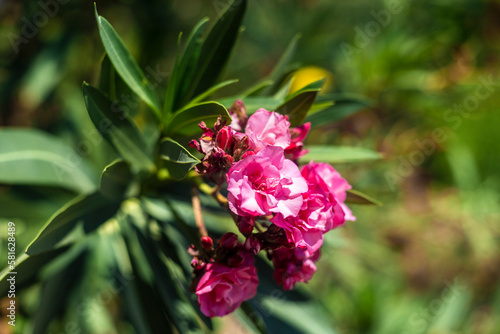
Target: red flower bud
{"type": "Point", "coordinates": [245, 225]}
{"type": "Point", "coordinates": [229, 241]}
{"type": "Point", "coordinates": [207, 243]}
{"type": "Point", "coordinates": [224, 138]}
{"type": "Point", "coordinates": [252, 244]}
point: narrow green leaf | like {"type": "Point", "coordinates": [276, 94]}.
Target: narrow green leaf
{"type": "Point", "coordinates": [116, 179]}
{"type": "Point", "coordinates": [256, 89]}
{"type": "Point", "coordinates": [27, 269]}
{"type": "Point", "coordinates": [187, 66]}
{"type": "Point", "coordinates": [176, 158]}
{"type": "Point", "coordinates": [107, 78]}
{"type": "Point", "coordinates": [297, 107]}
{"type": "Point", "coordinates": [125, 64]}
{"type": "Point", "coordinates": [185, 122]}
{"type": "Point", "coordinates": [339, 154]}
{"type": "Point", "coordinates": [279, 70]}
{"type": "Point", "coordinates": [254, 102]}
{"type": "Point", "coordinates": [357, 197]}
{"type": "Point", "coordinates": [173, 300]}
{"type": "Point", "coordinates": [315, 85]}
{"type": "Point", "coordinates": [173, 82]}
{"type": "Point", "coordinates": [217, 48]}
{"type": "Point", "coordinates": [58, 289]}
{"type": "Point", "coordinates": [92, 210]}
{"type": "Point", "coordinates": [211, 91]}
{"type": "Point", "coordinates": [117, 128]}
{"type": "Point", "coordinates": [32, 157]}
{"type": "Point", "coordinates": [320, 106]}
{"type": "Point", "coordinates": [339, 110]}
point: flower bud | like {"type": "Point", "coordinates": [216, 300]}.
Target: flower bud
{"type": "Point", "coordinates": [224, 138]}
{"type": "Point", "coordinates": [207, 243]}
{"type": "Point", "coordinates": [228, 241]}
{"type": "Point", "coordinates": [252, 244]}
{"type": "Point", "coordinates": [245, 225]}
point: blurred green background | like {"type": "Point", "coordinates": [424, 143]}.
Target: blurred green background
{"type": "Point", "coordinates": [428, 260]}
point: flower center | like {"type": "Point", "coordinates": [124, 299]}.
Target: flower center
{"type": "Point", "coordinates": [263, 183]}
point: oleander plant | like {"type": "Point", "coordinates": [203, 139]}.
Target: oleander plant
{"type": "Point", "coordinates": [213, 206]}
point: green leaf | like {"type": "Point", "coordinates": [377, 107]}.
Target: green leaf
{"type": "Point", "coordinates": [125, 64]}
{"type": "Point", "coordinates": [32, 157]}
{"type": "Point", "coordinates": [256, 89]}
{"type": "Point", "coordinates": [280, 69]}
{"type": "Point", "coordinates": [116, 180]}
{"type": "Point", "coordinates": [124, 99]}
{"type": "Point", "coordinates": [157, 273]}
{"type": "Point", "coordinates": [91, 210]}
{"type": "Point", "coordinates": [177, 159]}
{"type": "Point", "coordinates": [297, 107]}
{"type": "Point", "coordinates": [217, 48]}
{"type": "Point", "coordinates": [58, 288]}
{"type": "Point", "coordinates": [27, 269]}
{"type": "Point", "coordinates": [117, 128]}
{"type": "Point", "coordinates": [320, 106]}
{"type": "Point", "coordinates": [254, 102]}
{"type": "Point", "coordinates": [357, 197]}
{"type": "Point", "coordinates": [339, 110]}
{"type": "Point", "coordinates": [185, 122]}
{"type": "Point", "coordinates": [107, 78]}
{"type": "Point", "coordinates": [173, 83]}
{"type": "Point", "coordinates": [211, 91]}
{"type": "Point", "coordinates": [338, 154]}
{"type": "Point", "coordinates": [186, 69]}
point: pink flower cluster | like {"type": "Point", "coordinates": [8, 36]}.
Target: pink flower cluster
{"type": "Point", "coordinates": [289, 208]}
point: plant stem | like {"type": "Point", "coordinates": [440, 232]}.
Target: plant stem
{"type": "Point", "coordinates": [197, 212]}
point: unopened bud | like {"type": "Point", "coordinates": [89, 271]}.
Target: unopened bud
{"type": "Point", "coordinates": [252, 244]}
{"type": "Point", "coordinates": [207, 243]}
{"type": "Point", "coordinates": [245, 225]}
{"type": "Point", "coordinates": [229, 241]}
{"type": "Point", "coordinates": [224, 138]}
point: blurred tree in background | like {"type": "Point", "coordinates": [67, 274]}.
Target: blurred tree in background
{"type": "Point", "coordinates": [428, 261]}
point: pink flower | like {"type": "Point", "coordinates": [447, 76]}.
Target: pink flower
{"type": "Point", "coordinates": [296, 148]}
{"type": "Point", "coordinates": [222, 289]}
{"type": "Point", "coordinates": [265, 183]}
{"type": "Point", "coordinates": [326, 176]}
{"type": "Point", "coordinates": [320, 213]}
{"type": "Point", "coordinates": [293, 265]}
{"type": "Point", "coordinates": [268, 128]}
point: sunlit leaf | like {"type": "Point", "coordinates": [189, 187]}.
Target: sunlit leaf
{"type": "Point", "coordinates": [32, 157]}
{"type": "Point", "coordinates": [297, 107]}
{"type": "Point", "coordinates": [338, 154]}
{"type": "Point", "coordinates": [176, 158]}
{"type": "Point", "coordinates": [117, 128]}
{"type": "Point", "coordinates": [125, 64]}
{"type": "Point", "coordinates": [116, 179]}
{"type": "Point", "coordinates": [90, 210]}
{"type": "Point", "coordinates": [185, 122]}
{"type": "Point", "coordinates": [279, 70]}
{"type": "Point", "coordinates": [341, 108]}
{"type": "Point", "coordinates": [357, 197]}
{"type": "Point", "coordinates": [217, 48]}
